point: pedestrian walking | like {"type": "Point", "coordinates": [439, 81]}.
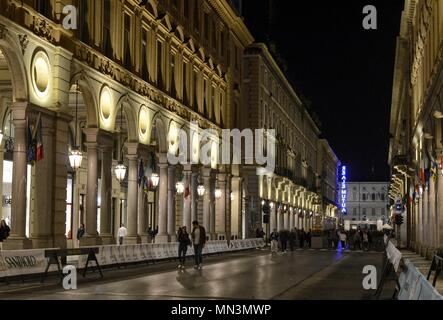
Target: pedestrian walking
{"type": "Point", "coordinates": [198, 240]}
{"type": "Point", "coordinates": [343, 238]}
{"type": "Point", "coordinates": [4, 232]}
{"type": "Point", "coordinates": [283, 240]}
{"type": "Point", "coordinates": [292, 239]}
{"type": "Point", "coordinates": [365, 241]}
{"type": "Point", "coordinates": [357, 240]}
{"type": "Point", "coordinates": [301, 238]}
{"type": "Point", "coordinates": [274, 241]}
{"type": "Point", "coordinates": [183, 243]}
{"type": "Point", "coordinates": [308, 238]}
{"type": "Point", "coordinates": [121, 234]}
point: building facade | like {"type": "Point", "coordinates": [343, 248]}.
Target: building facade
{"type": "Point", "coordinates": [327, 166]}
{"type": "Point", "coordinates": [416, 130]}
{"type": "Point", "coordinates": [367, 203]}
{"type": "Point", "coordinates": [293, 190]}
{"type": "Point", "coordinates": [118, 87]}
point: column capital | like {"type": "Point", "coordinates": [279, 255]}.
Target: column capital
{"type": "Point", "coordinates": [162, 158]}
{"type": "Point", "coordinates": [131, 147]}
{"type": "Point", "coordinates": [91, 134]}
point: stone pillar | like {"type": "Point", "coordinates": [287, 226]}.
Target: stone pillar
{"type": "Point", "coordinates": [171, 204]}
{"type": "Point", "coordinates": [212, 211]}
{"type": "Point", "coordinates": [221, 207]}
{"type": "Point", "coordinates": [291, 220]}
{"type": "Point", "coordinates": [206, 198]}
{"type": "Point", "coordinates": [163, 201]}
{"type": "Point", "coordinates": [132, 203]}
{"type": "Point", "coordinates": [90, 237]}
{"type": "Point", "coordinates": [286, 219]}
{"type": "Point", "coordinates": [60, 177]}
{"type": "Point", "coordinates": [41, 221]}
{"type": "Point", "coordinates": [17, 239]}
{"type": "Point", "coordinates": [425, 228]}
{"type": "Point", "coordinates": [273, 219]}
{"type": "Point", "coordinates": [280, 223]}
{"type": "Point", "coordinates": [431, 216]}
{"type": "Point", "coordinates": [236, 208]}
{"type": "Point", "coordinates": [187, 171]}
{"type": "Point", "coordinates": [194, 196]}
{"type": "Point", "coordinates": [106, 195]}
{"type": "Point", "coordinates": [227, 196]}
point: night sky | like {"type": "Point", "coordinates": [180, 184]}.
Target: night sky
{"type": "Point", "coordinates": [344, 71]}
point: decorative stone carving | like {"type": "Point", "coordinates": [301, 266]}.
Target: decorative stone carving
{"type": "Point", "coordinates": [23, 39]}
{"type": "Point", "coordinates": [84, 54]}
{"type": "Point", "coordinates": [106, 68]}
{"type": "Point", "coordinates": [43, 29]}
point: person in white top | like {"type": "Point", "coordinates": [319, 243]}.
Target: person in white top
{"type": "Point", "coordinates": [121, 233]}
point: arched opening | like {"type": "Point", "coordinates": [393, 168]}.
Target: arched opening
{"type": "Point", "coordinates": [12, 88]}
{"type": "Point", "coordinates": [82, 110]}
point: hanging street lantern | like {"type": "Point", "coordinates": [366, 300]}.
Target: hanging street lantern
{"type": "Point", "coordinates": [179, 187]}
{"type": "Point", "coordinates": [120, 171]}
{"type": "Point", "coordinates": [201, 190]}
{"type": "Point", "coordinates": [155, 179]}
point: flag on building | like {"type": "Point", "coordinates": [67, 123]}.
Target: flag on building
{"type": "Point", "coordinates": [30, 148]}
{"type": "Point", "coordinates": [38, 140]}
{"type": "Point", "coordinates": [141, 172]}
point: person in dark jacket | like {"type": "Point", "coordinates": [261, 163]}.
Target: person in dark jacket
{"type": "Point", "coordinates": [4, 232]}
{"type": "Point", "coordinates": [308, 238]}
{"type": "Point", "coordinates": [292, 239]}
{"type": "Point", "coordinates": [283, 240]}
{"type": "Point", "coordinates": [81, 231]}
{"type": "Point", "coordinates": [199, 241]}
{"type": "Point", "coordinates": [301, 238]}
{"type": "Point", "coordinates": [183, 243]}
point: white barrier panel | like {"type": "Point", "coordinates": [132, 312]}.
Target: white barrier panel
{"type": "Point", "coordinates": [21, 262]}
{"type": "Point", "coordinates": [414, 286]}
{"type": "Point", "coordinates": [394, 255]}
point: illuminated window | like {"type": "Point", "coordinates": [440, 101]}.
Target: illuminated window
{"type": "Point", "coordinates": [127, 42]}
{"type": "Point", "coordinates": [107, 44]}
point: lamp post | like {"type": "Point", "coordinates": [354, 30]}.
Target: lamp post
{"type": "Point", "coordinates": [120, 168]}
{"type": "Point", "coordinates": [201, 190]}
{"type": "Point", "coordinates": [75, 154]}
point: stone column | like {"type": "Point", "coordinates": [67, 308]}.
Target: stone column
{"type": "Point", "coordinates": [206, 199]}
{"type": "Point", "coordinates": [227, 196]}
{"type": "Point", "coordinates": [291, 220]}
{"type": "Point", "coordinates": [221, 207]}
{"type": "Point", "coordinates": [236, 203]}
{"type": "Point", "coordinates": [425, 228]}
{"type": "Point", "coordinates": [273, 218]}
{"type": "Point", "coordinates": [286, 219]}
{"type": "Point", "coordinates": [41, 220]}
{"type": "Point", "coordinates": [106, 195]}
{"type": "Point", "coordinates": [194, 197]}
{"type": "Point", "coordinates": [212, 211]}
{"type": "Point", "coordinates": [187, 171]}
{"type": "Point", "coordinates": [280, 223]}
{"type": "Point", "coordinates": [90, 238]}
{"type": "Point", "coordinates": [163, 201]}
{"type": "Point", "coordinates": [171, 204]}
{"type": "Point", "coordinates": [431, 215]}
{"type": "Point", "coordinates": [132, 204]}
{"type": "Point", "coordinates": [17, 239]}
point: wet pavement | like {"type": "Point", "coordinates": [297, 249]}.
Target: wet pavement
{"type": "Point", "coordinates": [303, 274]}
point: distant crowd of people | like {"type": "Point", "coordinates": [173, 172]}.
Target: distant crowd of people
{"type": "Point", "coordinates": [360, 239]}
{"type": "Point", "coordinates": [294, 238]}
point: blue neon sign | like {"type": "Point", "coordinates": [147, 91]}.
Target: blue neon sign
{"type": "Point", "coordinates": [343, 192]}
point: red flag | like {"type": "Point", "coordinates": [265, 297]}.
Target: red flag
{"type": "Point", "coordinates": [186, 193]}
